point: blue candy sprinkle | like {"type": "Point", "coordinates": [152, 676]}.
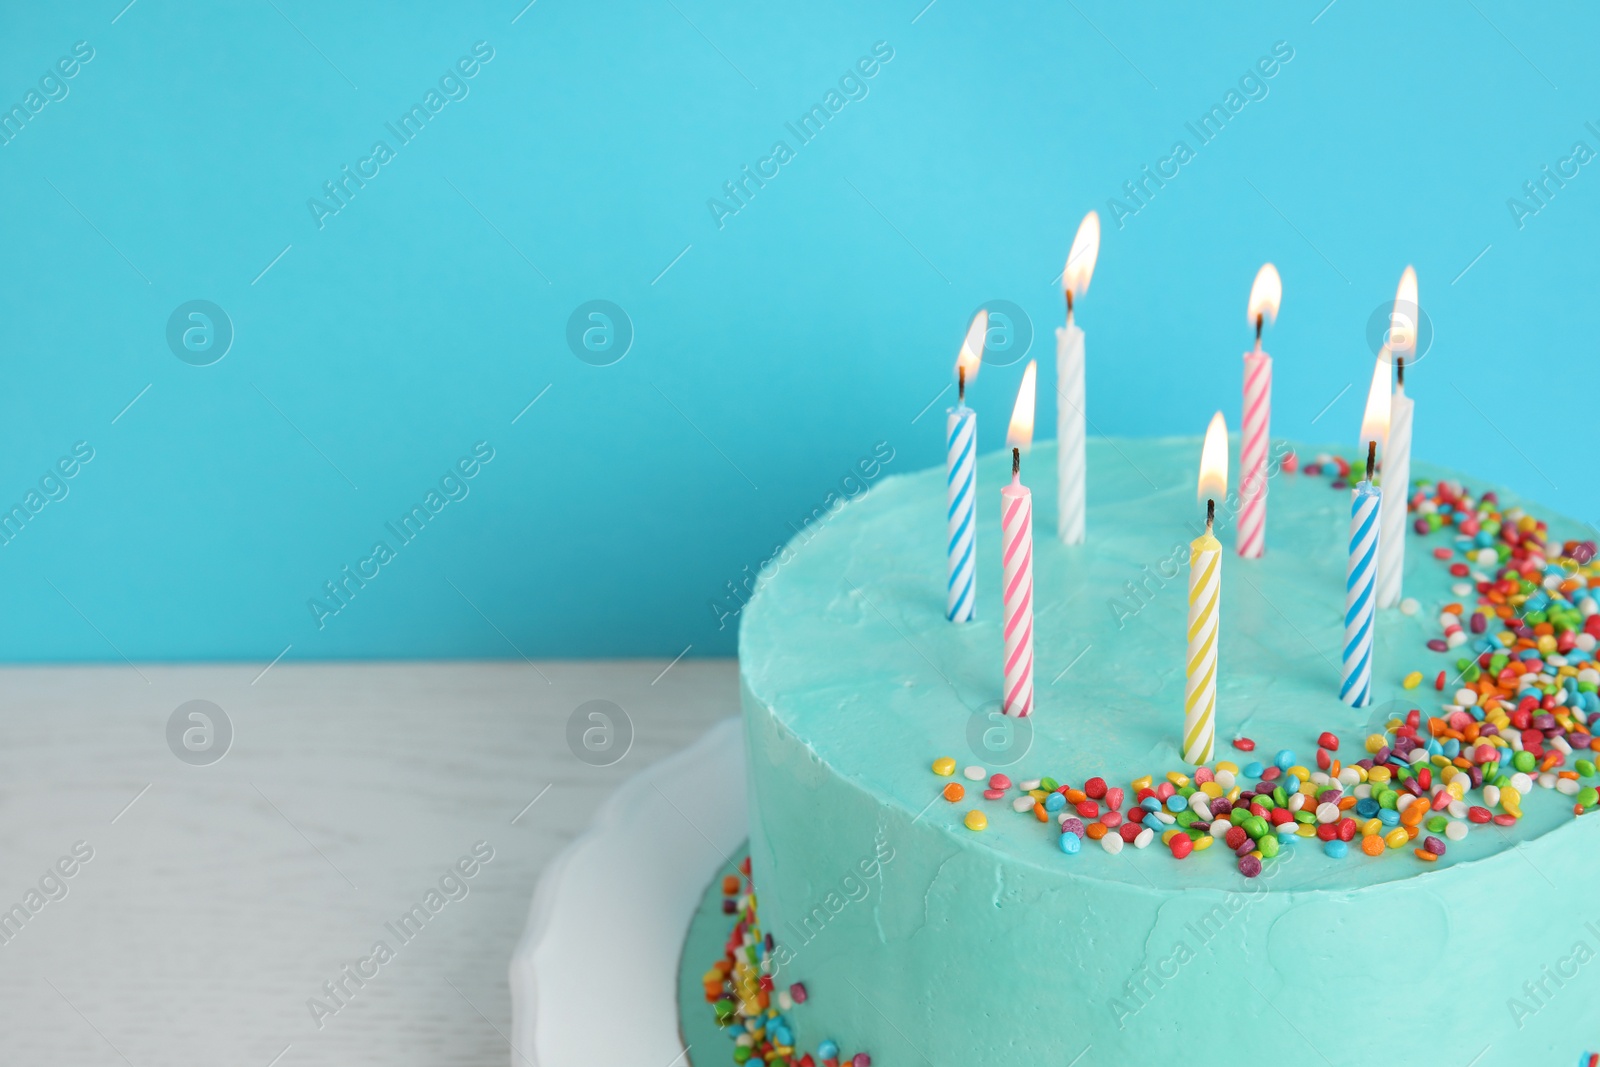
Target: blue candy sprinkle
{"type": "Point", "coordinates": [1070, 844]}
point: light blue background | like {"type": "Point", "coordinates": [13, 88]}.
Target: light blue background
{"type": "Point", "coordinates": [770, 357]}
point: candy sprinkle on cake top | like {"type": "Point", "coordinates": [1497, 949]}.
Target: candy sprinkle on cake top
{"type": "Point", "coordinates": [1515, 721]}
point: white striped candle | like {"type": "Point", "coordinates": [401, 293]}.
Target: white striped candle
{"type": "Point", "coordinates": [1255, 428]}
{"type": "Point", "coordinates": [1396, 495]}
{"type": "Point", "coordinates": [1355, 685]}
{"type": "Point", "coordinates": [1071, 440]}
{"type": "Point", "coordinates": [1016, 535]}
{"type": "Point", "coordinates": [961, 481]}
{"type": "Point", "coordinates": [1071, 395]}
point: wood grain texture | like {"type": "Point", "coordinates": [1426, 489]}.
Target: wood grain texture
{"type": "Point", "coordinates": [224, 897]}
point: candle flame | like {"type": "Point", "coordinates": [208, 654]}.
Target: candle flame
{"type": "Point", "coordinates": [1214, 460]}
{"type": "Point", "coordinates": [1266, 294]}
{"type": "Point", "coordinates": [1375, 420]}
{"type": "Point", "coordinates": [1403, 319]}
{"type": "Point", "coordinates": [1020, 432]}
{"type": "Point", "coordinates": [970, 358]}
{"type": "Point", "coordinates": [1081, 260]}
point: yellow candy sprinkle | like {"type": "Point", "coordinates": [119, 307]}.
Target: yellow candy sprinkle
{"type": "Point", "coordinates": [1211, 789]}
{"type": "Point", "coordinates": [1178, 778]}
{"type": "Point", "coordinates": [1510, 800]}
{"type": "Point", "coordinates": [1378, 775]}
{"type": "Point", "coordinates": [1397, 837]}
{"type": "Point", "coordinates": [1372, 828]}
{"type": "Point", "coordinates": [1140, 783]}
{"type": "Point", "coordinates": [977, 820]}
{"type": "Point", "coordinates": [1305, 829]}
{"type": "Point", "coordinates": [1227, 765]}
{"type": "Point", "coordinates": [1203, 843]}
{"type": "Point", "coordinates": [1299, 772]}
{"type": "Point", "coordinates": [1375, 742]}
{"type": "Point", "coordinates": [1168, 835]}
{"type": "Point", "coordinates": [1413, 680]}
{"type": "Point", "coordinates": [945, 766]}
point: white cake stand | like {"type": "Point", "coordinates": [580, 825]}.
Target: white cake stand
{"type": "Point", "coordinates": [594, 980]}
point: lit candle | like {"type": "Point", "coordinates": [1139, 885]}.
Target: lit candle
{"type": "Point", "coordinates": [1355, 684]}
{"type": "Point", "coordinates": [1016, 535]}
{"type": "Point", "coordinates": [1070, 396]}
{"type": "Point", "coordinates": [1397, 448]}
{"type": "Point", "coordinates": [1205, 604]}
{"type": "Point", "coordinates": [1255, 431]}
{"type": "Point", "coordinates": [961, 479]}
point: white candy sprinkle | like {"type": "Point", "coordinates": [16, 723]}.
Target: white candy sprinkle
{"type": "Point", "coordinates": [1458, 808]}
{"type": "Point", "coordinates": [1219, 828]}
{"type": "Point", "coordinates": [1146, 836]}
{"type": "Point", "coordinates": [1466, 697]}
{"type": "Point", "coordinates": [1349, 777]}
{"type": "Point", "coordinates": [1022, 803]}
{"type": "Point", "coordinates": [1297, 802]}
{"type": "Point", "coordinates": [1028, 785]}
{"type": "Point", "coordinates": [1462, 589]}
{"type": "Point", "coordinates": [1560, 743]}
{"type": "Point", "coordinates": [785, 1001]}
{"type": "Point", "coordinates": [1112, 843]}
{"type": "Point", "coordinates": [1363, 790]}
{"type": "Point", "coordinates": [1456, 831]}
{"type": "Point", "coordinates": [975, 774]}
{"type": "Point", "coordinates": [1328, 812]}
{"type": "Point", "coordinates": [1491, 797]}
{"type": "Point", "coordinates": [1522, 783]}
{"type": "Point", "coordinates": [1548, 780]}
{"type": "Point", "coordinates": [1456, 640]}
{"type": "Point", "coordinates": [1488, 557]}
{"type": "Point", "coordinates": [1225, 780]}
{"type": "Point", "coordinates": [1567, 786]}
{"type": "Point", "coordinates": [1410, 606]}
{"type": "Point", "coordinates": [1161, 817]}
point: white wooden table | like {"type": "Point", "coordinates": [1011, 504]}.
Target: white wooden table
{"type": "Point", "coordinates": [220, 898]}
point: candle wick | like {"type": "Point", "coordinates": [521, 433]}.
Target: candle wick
{"type": "Point", "coordinates": [1016, 462]}
{"type": "Point", "coordinates": [1400, 370]}
{"type": "Point", "coordinates": [1372, 458]}
{"type": "Point", "coordinates": [1069, 304]}
{"type": "Point", "coordinates": [961, 385]}
{"type": "Point", "coordinates": [1211, 514]}
{"type": "Point", "coordinates": [1259, 317]}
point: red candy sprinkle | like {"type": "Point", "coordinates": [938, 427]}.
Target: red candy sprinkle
{"type": "Point", "coordinates": [1095, 787]}
{"type": "Point", "coordinates": [1182, 845]}
{"type": "Point", "coordinates": [1328, 741]}
{"type": "Point", "coordinates": [1244, 744]}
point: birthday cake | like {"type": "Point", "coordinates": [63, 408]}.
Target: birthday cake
{"type": "Point", "coordinates": [932, 882]}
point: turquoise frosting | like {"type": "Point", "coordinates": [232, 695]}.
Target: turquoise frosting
{"type": "Point", "coordinates": [997, 948]}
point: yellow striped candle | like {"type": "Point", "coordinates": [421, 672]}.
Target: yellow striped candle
{"type": "Point", "coordinates": [1205, 605]}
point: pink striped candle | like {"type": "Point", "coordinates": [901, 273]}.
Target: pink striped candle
{"type": "Point", "coordinates": [1256, 428]}
{"type": "Point", "coordinates": [1016, 547]}
{"type": "Point", "coordinates": [1016, 536]}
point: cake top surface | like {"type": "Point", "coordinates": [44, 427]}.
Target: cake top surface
{"type": "Point", "coordinates": [848, 645]}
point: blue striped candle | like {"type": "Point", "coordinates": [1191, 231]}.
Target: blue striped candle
{"type": "Point", "coordinates": [961, 481]}
{"type": "Point", "coordinates": [1355, 687]}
